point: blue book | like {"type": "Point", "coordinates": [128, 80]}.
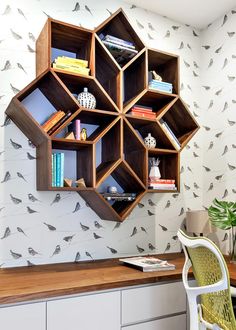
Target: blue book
{"type": "Point", "coordinates": [62, 169]}
{"type": "Point", "coordinates": [163, 88]}
{"type": "Point", "coordinates": [58, 169]}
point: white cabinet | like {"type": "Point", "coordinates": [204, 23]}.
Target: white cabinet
{"type": "Point", "coordinates": [143, 303]}
{"type": "Point", "coordinates": [23, 317]}
{"type": "Point", "coordinates": [95, 311]}
{"type": "Point", "coordinates": [170, 323]}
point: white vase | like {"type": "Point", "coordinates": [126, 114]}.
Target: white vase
{"type": "Point", "coordinates": [86, 99]}
{"type": "Point", "coordinates": [150, 141]}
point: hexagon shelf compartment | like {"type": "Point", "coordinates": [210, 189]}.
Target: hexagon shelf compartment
{"type": "Point", "coordinates": [120, 73]}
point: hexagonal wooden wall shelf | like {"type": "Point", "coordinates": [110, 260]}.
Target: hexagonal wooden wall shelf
{"type": "Point", "coordinates": [114, 152]}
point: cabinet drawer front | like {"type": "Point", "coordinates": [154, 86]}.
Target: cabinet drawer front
{"type": "Point", "coordinates": [97, 311]}
{"type": "Point", "coordinates": [27, 317]}
{"type": "Point", "coordinates": [174, 322]}
{"type": "Point", "coordinates": [153, 301]}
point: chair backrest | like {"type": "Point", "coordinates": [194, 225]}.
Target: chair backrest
{"type": "Point", "coordinates": [212, 277]}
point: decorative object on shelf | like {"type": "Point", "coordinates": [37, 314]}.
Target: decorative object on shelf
{"type": "Point", "coordinates": [150, 141]}
{"type": "Point", "coordinates": [156, 76]}
{"type": "Point", "coordinates": [86, 99]}
{"type": "Point", "coordinates": [68, 182]}
{"type": "Point", "coordinates": [154, 172]}
{"type": "Point", "coordinates": [222, 214]}
{"type": "Point", "coordinates": [83, 134]}
{"type": "Point", "coordinates": [80, 182]}
{"type": "Point", "coordinates": [70, 136]}
{"type": "Point", "coordinates": [112, 189]}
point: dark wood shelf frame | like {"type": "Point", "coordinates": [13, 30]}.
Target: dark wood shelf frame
{"type": "Point", "coordinates": [114, 150]}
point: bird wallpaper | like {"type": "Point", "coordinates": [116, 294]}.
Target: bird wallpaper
{"type": "Point", "coordinates": [42, 227]}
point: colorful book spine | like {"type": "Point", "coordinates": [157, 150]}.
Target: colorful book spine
{"type": "Point", "coordinates": [53, 176]}
{"type": "Point", "coordinates": [163, 86]}
{"type": "Point", "coordinates": [58, 169]}
{"type": "Point", "coordinates": [62, 169]}
{"type": "Point", "coordinates": [142, 109]}
{"type": "Point", "coordinates": [112, 46]}
{"type": "Point", "coordinates": [170, 135]}
{"type": "Point", "coordinates": [59, 123]}
{"type": "Point", "coordinates": [162, 187]}
{"type": "Point", "coordinates": [77, 129]}
{"type": "Point", "coordinates": [71, 61]}
{"type": "Point", "coordinates": [74, 69]}
{"type": "Point", "coordinates": [54, 169]}
{"type": "Point", "coordinates": [120, 42]}
{"type": "Point", "coordinates": [159, 181]}
{"type": "Point", "coordinates": [53, 120]}
{"type": "Point", "coordinates": [143, 114]}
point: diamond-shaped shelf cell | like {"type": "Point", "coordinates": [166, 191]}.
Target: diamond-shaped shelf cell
{"type": "Point", "coordinates": [125, 180]}
{"type": "Point", "coordinates": [168, 166]}
{"type": "Point", "coordinates": [179, 121]}
{"type": "Point", "coordinates": [164, 65]}
{"type": "Point", "coordinates": [135, 153]}
{"type": "Point", "coordinates": [93, 121]}
{"type": "Point", "coordinates": [119, 38]}
{"type": "Point", "coordinates": [105, 64]}
{"type": "Point", "coordinates": [37, 102]}
{"type": "Point", "coordinates": [134, 78]}
{"type": "Point", "coordinates": [64, 40]}
{"type": "Point", "coordinates": [108, 150]}
{"type": "Point", "coordinates": [76, 85]}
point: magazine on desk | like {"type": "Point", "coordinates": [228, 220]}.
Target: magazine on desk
{"type": "Point", "coordinates": [148, 264]}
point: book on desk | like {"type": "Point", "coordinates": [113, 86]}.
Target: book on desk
{"type": "Point", "coordinates": [147, 264]}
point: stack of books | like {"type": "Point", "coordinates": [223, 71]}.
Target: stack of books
{"type": "Point", "coordinates": [74, 65]}
{"type": "Point", "coordinates": [122, 50]}
{"type": "Point", "coordinates": [143, 111]}
{"type": "Point", "coordinates": [129, 197]}
{"type": "Point", "coordinates": [162, 184]}
{"type": "Point", "coordinates": [55, 121]}
{"type": "Point", "coordinates": [170, 134]}
{"type": "Point", "coordinates": [58, 160]}
{"type": "Point", "coordinates": [161, 86]}
{"type": "Point", "coordinates": [148, 264]}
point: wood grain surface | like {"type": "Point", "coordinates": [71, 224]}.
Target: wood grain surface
{"type": "Point", "coordinates": [47, 281]}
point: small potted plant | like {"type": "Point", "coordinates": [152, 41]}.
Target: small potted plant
{"type": "Point", "coordinates": [222, 214]}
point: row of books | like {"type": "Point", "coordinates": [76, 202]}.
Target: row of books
{"type": "Point", "coordinates": [161, 184]}
{"type": "Point", "coordinates": [58, 160]}
{"type": "Point", "coordinates": [121, 49]}
{"type": "Point", "coordinates": [161, 86]}
{"type": "Point", "coordinates": [143, 111]}
{"type": "Point", "coordinates": [170, 134]}
{"type": "Point", "coordinates": [74, 65]}
{"type": "Point", "coordinates": [55, 121]}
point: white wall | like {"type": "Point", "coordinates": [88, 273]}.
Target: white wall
{"type": "Point", "coordinates": [24, 18]}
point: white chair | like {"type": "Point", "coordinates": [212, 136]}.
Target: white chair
{"type": "Point", "coordinates": [210, 304]}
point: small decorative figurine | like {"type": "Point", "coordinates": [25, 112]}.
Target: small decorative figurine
{"type": "Point", "coordinates": [80, 183]}
{"type": "Point", "coordinates": [86, 99]}
{"type": "Point", "coordinates": [83, 134]}
{"type": "Point", "coordinates": [112, 189]}
{"type": "Point", "coordinates": [154, 172]}
{"type": "Point", "coordinates": [68, 182]}
{"type": "Point", "coordinates": [156, 76]}
{"type": "Point", "coordinates": [150, 141]}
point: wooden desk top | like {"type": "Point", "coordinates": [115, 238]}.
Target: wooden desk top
{"type": "Point", "coordinates": [42, 282]}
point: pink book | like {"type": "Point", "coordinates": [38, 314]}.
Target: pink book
{"type": "Point", "coordinates": [77, 129]}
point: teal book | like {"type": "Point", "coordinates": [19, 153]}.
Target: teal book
{"type": "Point", "coordinates": [62, 169]}
{"type": "Point", "coordinates": [54, 165]}
{"type": "Point", "coordinates": [58, 169]}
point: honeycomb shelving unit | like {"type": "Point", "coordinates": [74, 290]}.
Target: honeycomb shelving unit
{"type": "Point", "coordinates": [114, 151]}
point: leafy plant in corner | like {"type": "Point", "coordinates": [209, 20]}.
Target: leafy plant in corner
{"type": "Point", "coordinates": [222, 214]}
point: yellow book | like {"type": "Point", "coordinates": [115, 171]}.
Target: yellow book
{"type": "Point", "coordinates": [70, 60]}
{"type": "Point", "coordinates": [70, 68]}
